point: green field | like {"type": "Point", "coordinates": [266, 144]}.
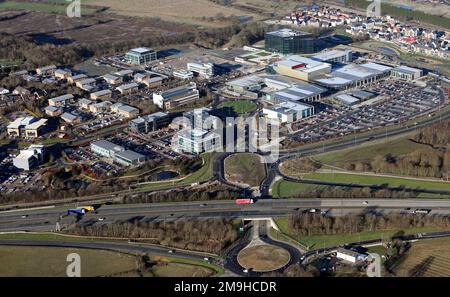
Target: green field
{"type": "Point", "coordinates": [319, 241]}
{"type": "Point", "coordinates": [239, 107]}
{"type": "Point", "coordinates": [42, 7]}
{"type": "Point", "coordinates": [427, 258]}
{"type": "Point", "coordinates": [378, 181]}
{"type": "Point", "coordinates": [395, 147]}
{"type": "Point", "coordinates": [48, 261]}
{"type": "Point", "coordinates": [283, 188]}
{"type": "Point", "coordinates": [181, 270]}
{"type": "Point", "coordinates": [244, 168]}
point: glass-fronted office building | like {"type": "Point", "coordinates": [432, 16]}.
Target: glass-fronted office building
{"type": "Point", "coordinates": [287, 41]}
{"type": "Point", "coordinates": [140, 56]}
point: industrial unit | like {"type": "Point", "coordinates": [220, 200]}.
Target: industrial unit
{"type": "Point", "coordinates": [406, 73]}
{"type": "Point", "coordinates": [354, 75]}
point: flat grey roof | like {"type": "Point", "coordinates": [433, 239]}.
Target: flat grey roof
{"type": "Point", "coordinates": [288, 33]}
{"type": "Point", "coordinates": [68, 116]}
{"type": "Point", "coordinates": [62, 98]}
{"type": "Point", "coordinates": [129, 155]}
{"type": "Point", "coordinates": [102, 92]}
{"type": "Point", "coordinates": [107, 145]}
{"type": "Point", "coordinates": [406, 69]}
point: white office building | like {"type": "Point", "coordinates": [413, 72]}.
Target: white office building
{"type": "Point", "coordinates": [202, 69]}
{"type": "Point", "coordinates": [30, 158]}
{"type": "Point", "coordinates": [197, 141]}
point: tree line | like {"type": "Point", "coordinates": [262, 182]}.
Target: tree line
{"type": "Point", "coordinates": [177, 195]}
{"type": "Point", "coordinates": [206, 235]}
{"type": "Point", "coordinates": [347, 192]}
{"type": "Point", "coordinates": [310, 224]}
{"type": "Point", "coordinates": [426, 162]}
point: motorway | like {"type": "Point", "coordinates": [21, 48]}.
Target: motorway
{"type": "Point", "coordinates": [45, 219]}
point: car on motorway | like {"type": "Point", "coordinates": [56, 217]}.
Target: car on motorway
{"type": "Point", "coordinates": [206, 258]}
{"type": "Point", "coordinates": [365, 202]}
{"type": "Point", "coordinates": [171, 251]}
{"type": "Point", "coordinates": [245, 271]}
{"type": "Point", "coordinates": [24, 216]}
{"type": "Point", "coordinates": [203, 204]}
{"type": "Point", "coordinates": [101, 219]}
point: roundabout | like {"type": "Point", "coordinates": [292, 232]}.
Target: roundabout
{"type": "Point", "coordinates": [263, 258]}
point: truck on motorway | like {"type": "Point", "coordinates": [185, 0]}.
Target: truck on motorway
{"type": "Point", "coordinates": [81, 210]}
{"type": "Point", "coordinates": [422, 211]}
{"type": "Point", "coordinates": [244, 201]}
{"type": "Point", "coordinates": [76, 211]}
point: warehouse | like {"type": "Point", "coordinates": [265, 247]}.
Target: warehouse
{"type": "Point", "coordinates": [129, 158]}
{"type": "Point", "coordinates": [296, 91]}
{"type": "Point", "coordinates": [247, 83]}
{"type": "Point", "coordinates": [335, 56]}
{"type": "Point", "coordinates": [106, 148]}
{"type": "Point", "coordinates": [301, 68]}
{"type": "Point", "coordinates": [354, 75]}
{"type": "Point", "coordinates": [406, 73]}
